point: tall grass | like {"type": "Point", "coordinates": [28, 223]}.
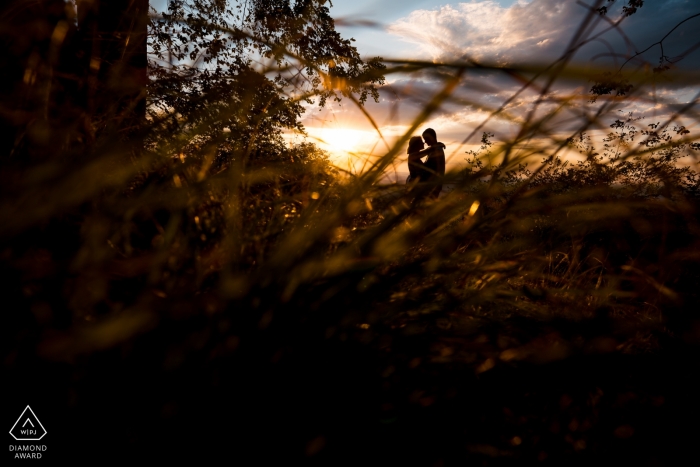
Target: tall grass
{"type": "Point", "coordinates": [222, 277]}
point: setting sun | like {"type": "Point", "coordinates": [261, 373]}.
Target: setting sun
{"type": "Point", "coordinates": [343, 141]}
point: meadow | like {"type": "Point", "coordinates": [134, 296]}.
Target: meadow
{"type": "Point", "coordinates": [180, 283]}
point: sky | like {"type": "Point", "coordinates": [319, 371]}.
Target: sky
{"type": "Point", "coordinates": [377, 41]}
{"type": "Point", "coordinates": [504, 32]}
{"type": "Point", "coordinates": [495, 32]}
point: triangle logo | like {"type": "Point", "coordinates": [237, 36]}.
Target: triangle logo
{"type": "Point", "coordinates": [27, 427]}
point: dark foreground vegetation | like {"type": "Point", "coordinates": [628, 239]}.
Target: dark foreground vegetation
{"type": "Point", "coordinates": [180, 284]}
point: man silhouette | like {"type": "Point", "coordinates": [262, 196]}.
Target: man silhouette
{"type": "Point", "coordinates": [435, 163]}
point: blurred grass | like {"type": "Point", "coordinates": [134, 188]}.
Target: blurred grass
{"type": "Point", "coordinates": [350, 316]}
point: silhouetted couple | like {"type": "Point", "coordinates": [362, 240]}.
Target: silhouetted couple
{"type": "Point", "coordinates": [432, 169]}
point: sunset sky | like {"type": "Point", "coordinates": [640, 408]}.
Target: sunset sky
{"type": "Point", "coordinates": [504, 32]}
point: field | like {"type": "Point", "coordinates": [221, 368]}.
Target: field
{"type": "Point", "coordinates": [180, 284]}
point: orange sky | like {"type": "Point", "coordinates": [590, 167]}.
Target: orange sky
{"type": "Point", "coordinates": [499, 32]}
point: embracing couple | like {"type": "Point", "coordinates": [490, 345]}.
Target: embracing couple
{"type": "Point", "coordinates": [433, 168]}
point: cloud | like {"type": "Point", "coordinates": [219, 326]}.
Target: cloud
{"type": "Point", "coordinates": [486, 30]}
{"type": "Point", "coordinates": [541, 30]}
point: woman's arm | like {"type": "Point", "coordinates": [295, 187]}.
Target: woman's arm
{"type": "Point", "coordinates": [425, 151]}
{"type": "Point", "coordinates": [416, 156]}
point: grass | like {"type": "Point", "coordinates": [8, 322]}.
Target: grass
{"type": "Point", "coordinates": [269, 306]}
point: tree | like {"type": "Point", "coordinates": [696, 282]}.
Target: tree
{"type": "Point", "coordinates": [223, 72]}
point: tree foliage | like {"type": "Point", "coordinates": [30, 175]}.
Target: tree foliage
{"type": "Point", "coordinates": [246, 68]}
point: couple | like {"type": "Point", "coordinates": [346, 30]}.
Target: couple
{"type": "Point", "coordinates": [433, 169]}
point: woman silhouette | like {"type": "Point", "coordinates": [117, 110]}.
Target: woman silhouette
{"type": "Point", "coordinates": [416, 167]}
{"type": "Point", "coordinates": [418, 170]}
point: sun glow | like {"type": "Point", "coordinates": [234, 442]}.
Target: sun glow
{"type": "Point", "coordinates": [351, 148]}
{"type": "Point", "coordinates": [343, 142]}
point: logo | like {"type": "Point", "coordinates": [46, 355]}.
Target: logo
{"type": "Point", "coordinates": [27, 427]}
